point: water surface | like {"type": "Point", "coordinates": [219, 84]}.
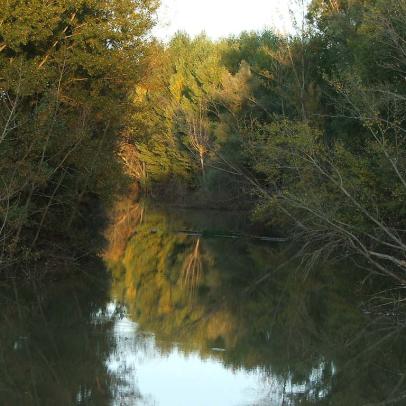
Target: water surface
{"type": "Point", "coordinates": [181, 316]}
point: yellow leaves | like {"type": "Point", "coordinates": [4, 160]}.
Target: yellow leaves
{"type": "Point", "coordinates": [176, 87]}
{"type": "Point", "coordinates": [236, 88]}
{"type": "Point", "coordinates": [140, 94]}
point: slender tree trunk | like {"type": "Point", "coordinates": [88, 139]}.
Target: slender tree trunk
{"type": "Point", "coordinates": [202, 166]}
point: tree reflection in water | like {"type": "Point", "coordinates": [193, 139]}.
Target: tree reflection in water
{"type": "Point", "coordinates": [185, 312]}
{"type": "Point", "coordinates": [307, 334]}
{"type": "Point", "coordinates": [54, 341]}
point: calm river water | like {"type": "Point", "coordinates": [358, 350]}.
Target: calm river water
{"type": "Point", "coordinates": [182, 315]}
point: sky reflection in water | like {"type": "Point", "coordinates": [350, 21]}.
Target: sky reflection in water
{"type": "Point", "coordinates": [179, 323]}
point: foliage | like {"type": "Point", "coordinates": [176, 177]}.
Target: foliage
{"type": "Point", "coordinates": [66, 73]}
{"type": "Point", "coordinates": [306, 129]}
{"type": "Point", "coordinates": [311, 124]}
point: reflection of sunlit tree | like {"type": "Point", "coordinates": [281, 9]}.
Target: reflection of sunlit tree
{"type": "Point", "coordinates": [192, 269]}
{"type": "Point", "coordinates": [124, 217]}
{"type": "Point", "coordinates": [303, 332]}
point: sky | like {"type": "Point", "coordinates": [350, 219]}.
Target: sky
{"type": "Point", "coordinates": [220, 18]}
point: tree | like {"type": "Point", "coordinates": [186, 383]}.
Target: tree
{"type": "Point", "coordinates": [66, 73]}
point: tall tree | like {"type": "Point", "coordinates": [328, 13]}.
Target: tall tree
{"type": "Point", "coordinates": [67, 70]}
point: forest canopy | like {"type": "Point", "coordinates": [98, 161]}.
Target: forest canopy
{"type": "Point", "coordinates": [67, 73]}
{"type": "Point", "coordinates": [307, 131]}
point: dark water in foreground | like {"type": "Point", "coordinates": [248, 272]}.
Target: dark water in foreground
{"type": "Point", "coordinates": [188, 320]}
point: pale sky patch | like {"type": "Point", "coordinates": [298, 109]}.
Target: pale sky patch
{"type": "Point", "coordinates": [221, 18]}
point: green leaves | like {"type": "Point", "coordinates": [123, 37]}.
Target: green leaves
{"type": "Point", "coordinates": [67, 70]}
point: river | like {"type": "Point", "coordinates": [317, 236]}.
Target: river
{"type": "Point", "coordinates": [187, 310]}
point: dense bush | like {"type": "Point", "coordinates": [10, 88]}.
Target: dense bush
{"type": "Point", "coordinates": [67, 69]}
